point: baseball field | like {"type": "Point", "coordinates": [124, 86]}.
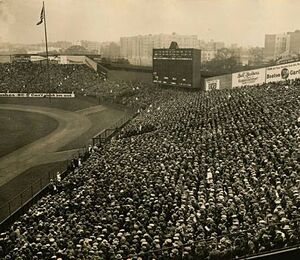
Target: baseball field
{"type": "Point", "coordinates": [37, 134]}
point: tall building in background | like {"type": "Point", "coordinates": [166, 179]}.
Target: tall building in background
{"type": "Point", "coordinates": [241, 55]}
{"type": "Point", "coordinates": [294, 42]}
{"type": "Point", "coordinates": [209, 49]}
{"type": "Point", "coordinates": [276, 45]}
{"type": "Point", "coordinates": [211, 45]}
{"type": "Point", "coordinates": [91, 46]}
{"type": "Point", "coordinates": [110, 50]}
{"type": "Point", "coordinates": [138, 49]}
{"type": "Point", "coordinates": [208, 55]}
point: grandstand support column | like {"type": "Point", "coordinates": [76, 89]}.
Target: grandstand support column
{"type": "Point", "coordinates": [47, 54]}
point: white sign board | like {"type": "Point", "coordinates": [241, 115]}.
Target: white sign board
{"type": "Point", "coordinates": [248, 78]}
{"type": "Point", "coordinates": [37, 58]}
{"type": "Point", "coordinates": [283, 72]}
{"type": "Point", "coordinates": [212, 84]}
{"type": "Point", "coordinates": [34, 95]}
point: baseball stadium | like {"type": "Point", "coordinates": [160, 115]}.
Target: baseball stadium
{"type": "Point", "coordinates": [119, 161]}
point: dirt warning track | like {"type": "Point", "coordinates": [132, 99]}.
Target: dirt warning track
{"type": "Point", "coordinates": [70, 126]}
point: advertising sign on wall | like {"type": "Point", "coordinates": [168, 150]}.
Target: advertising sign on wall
{"type": "Point", "coordinates": [37, 58]}
{"type": "Point", "coordinates": [248, 78]}
{"type": "Point", "coordinates": [212, 84]}
{"type": "Point", "coordinates": [20, 58]}
{"type": "Point", "coordinates": [38, 95]}
{"type": "Point", "coordinates": [283, 72]}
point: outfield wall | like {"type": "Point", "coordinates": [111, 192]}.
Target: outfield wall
{"type": "Point", "coordinates": [38, 95]}
{"type": "Point", "coordinates": [218, 82]}
{"type": "Point", "coordinates": [248, 78]}
{"type": "Point", "coordinates": [5, 59]}
{"type": "Point", "coordinates": [123, 75]}
{"type": "Point", "coordinates": [278, 73]}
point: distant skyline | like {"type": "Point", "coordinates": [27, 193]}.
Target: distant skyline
{"type": "Point", "coordinates": [244, 22]}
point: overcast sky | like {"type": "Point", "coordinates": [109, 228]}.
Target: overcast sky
{"type": "Point", "coordinates": [233, 21]}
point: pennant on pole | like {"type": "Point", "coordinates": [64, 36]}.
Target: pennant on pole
{"type": "Point", "coordinates": [41, 17]}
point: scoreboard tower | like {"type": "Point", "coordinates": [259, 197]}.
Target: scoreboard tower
{"type": "Point", "coordinates": [177, 67]}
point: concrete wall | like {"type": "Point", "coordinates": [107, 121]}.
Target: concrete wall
{"type": "Point", "coordinates": [5, 58]}
{"type": "Point", "coordinates": [92, 64]}
{"type": "Point", "coordinates": [220, 82]}
{"type": "Point", "coordinates": [118, 75]}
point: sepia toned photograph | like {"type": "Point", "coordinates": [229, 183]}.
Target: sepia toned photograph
{"type": "Point", "coordinates": [149, 129]}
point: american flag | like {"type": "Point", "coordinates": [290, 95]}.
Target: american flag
{"type": "Point", "coordinates": [41, 17]}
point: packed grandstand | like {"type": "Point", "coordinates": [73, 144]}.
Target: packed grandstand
{"type": "Point", "coordinates": [31, 77]}
{"type": "Point", "coordinates": [194, 175]}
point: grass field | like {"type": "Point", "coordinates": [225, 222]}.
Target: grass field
{"type": "Point", "coordinates": [19, 128]}
{"type": "Point", "coordinates": [103, 118]}
{"type": "Point", "coordinates": [37, 135]}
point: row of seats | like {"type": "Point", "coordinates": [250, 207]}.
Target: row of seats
{"type": "Point", "coordinates": [211, 175]}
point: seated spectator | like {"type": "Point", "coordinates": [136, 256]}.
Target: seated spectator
{"type": "Point", "coordinates": [214, 177]}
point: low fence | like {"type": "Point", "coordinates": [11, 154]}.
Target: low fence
{"type": "Point", "coordinates": [24, 198]}
{"type": "Point", "coordinates": [106, 134]}
{"type": "Point", "coordinates": [20, 203]}
{"type": "Point", "coordinates": [30, 192]}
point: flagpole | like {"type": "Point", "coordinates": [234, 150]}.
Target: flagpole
{"type": "Point", "coordinates": [47, 54]}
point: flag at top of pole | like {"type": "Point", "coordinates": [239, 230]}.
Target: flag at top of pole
{"type": "Point", "coordinates": [41, 17]}
{"type": "Point", "coordinates": [43, 20]}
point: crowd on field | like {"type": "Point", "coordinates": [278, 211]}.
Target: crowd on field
{"type": "Point", "coordinates": [212, 175]}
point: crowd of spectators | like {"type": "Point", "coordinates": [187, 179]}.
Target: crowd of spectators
{"type": "Point", "coordinates": [30, 77]}
{"type": "Point", "coordinates": [126, 93]}
{"type": "Point", "coordinates": [210, 175]}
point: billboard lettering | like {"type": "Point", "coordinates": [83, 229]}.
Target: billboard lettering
{"type": "Point", "coordinates": [248, 78]}
{"type": "Point", "coordinates": [212, 84]}
{"type": "Point", "coordinates": [283, 72]}
{"type": "Point", "coordinates": [33, 95]}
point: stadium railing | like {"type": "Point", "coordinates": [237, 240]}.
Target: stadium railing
{"type": "Point", "coordinates": [108, 133]}
{"type": "Point", "coordinates": [26, 196]}
{"type": "Point", "coordinates": [21, 202]}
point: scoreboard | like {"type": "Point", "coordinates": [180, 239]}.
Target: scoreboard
{"type": "Point", "coordinates": [177, 67]}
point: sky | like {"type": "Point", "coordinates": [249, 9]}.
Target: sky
{"type": "Point", "coordinates": [244, 22]}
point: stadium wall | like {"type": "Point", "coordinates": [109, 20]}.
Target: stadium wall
{"type": "Point", "coordinates": [117, 75]}
{"type": "Point", "coordinates": [219, 82]}
{"type": "Point", "coordinates": [248, 78]}
{"type": "Point", "coordinates": [38, 95]}
{"type": "Point", "coordinates": [72, 59]}
{"type": "Point", "coordinates": [5, 58]}
{"type": "Point", "coordinates": [89, 62]}
{"type": "Point", "coordinates": [278, 73]}
{"type": "Point", "coordinates": [283, 72]}
{"type": "Point", "coordinates": [75, 59]}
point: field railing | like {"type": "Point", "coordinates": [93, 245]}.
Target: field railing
{"type": "Point", "coordinates": [108, 133]}
{"type": "Point", "coordinates": [21, 202]}
{"type": "Point", "coordinates": [36, 187]}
